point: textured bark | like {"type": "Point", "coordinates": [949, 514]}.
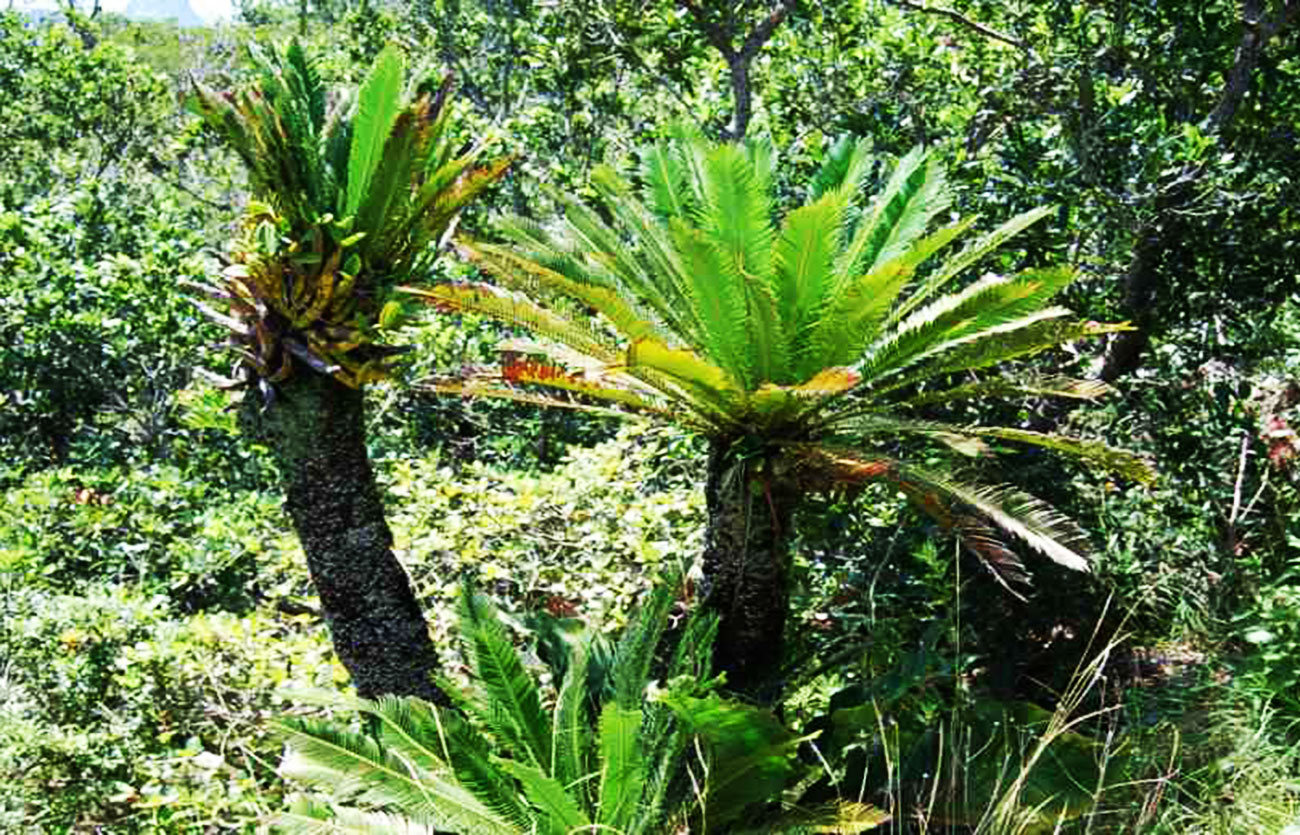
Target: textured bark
{"type": "Point", "coordinates": [747, 568]}
{"type": "Point", "coordinates": [316, 427]}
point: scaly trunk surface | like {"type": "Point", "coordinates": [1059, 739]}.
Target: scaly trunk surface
{"type": "Point", "coordinates": [316, 427]}
{"type": "Point", "coordinates": [747, 568]}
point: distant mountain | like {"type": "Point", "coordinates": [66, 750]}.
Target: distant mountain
{"type": "Point", "coordinates": [184, 12]}
{"type": "Point", "coordinates": [178, 10]}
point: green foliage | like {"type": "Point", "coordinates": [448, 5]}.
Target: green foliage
{"type": "Point", "coordinates": [67, 109]}
{"type": "Point", "coordinates": [1100, 109]}
{"type": "Point", "coordinates": [158, 530]}
{"type": "Point", "coordinates": [117, 713]}
{"type": "Point", "coordinates": [93, 333]}
{"type": "Point", "coordinates": [584, 538]}
{"type": "Point", "coordinates": [608, 758]}
{"type": "Point", "coordinates": [811, 337]}
{"type": "Point", "coordinates": [346, 202]}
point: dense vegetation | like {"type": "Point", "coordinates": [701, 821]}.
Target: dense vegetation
{"type": "Point", "coordinates": [179, 562]}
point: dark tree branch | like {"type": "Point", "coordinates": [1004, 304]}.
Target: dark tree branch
{"type": "Point", "coordinates": [952, 14]}
{"type": "Point", "coordinates": [1257, 30]}
{"type": "Point", "coordinates": [1161, 236]}
{"type": "Point", "coordinates": [721, 35]}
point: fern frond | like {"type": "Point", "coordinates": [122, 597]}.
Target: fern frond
{"type": "Point", "coordinates": [355, 767]}
{"type": "Point", "coordinates": [378, 105]}
{"type": "Point", "coordinates": [562, 816]}
{"type": "Point", "coordinates": [636, 649]}
{"type": "Point", "coordinates": [1030, 386]}
{"type": "Point", "coordinates": [969, 257]}
{"type": "Point", "coordinates": [516, 706]}
{"type": "Point", "coordinates": [915, 193]}
{"type": "Point", "coordinates": [307, 816]}
{"type": "Point", "coordinates": [1118, 461]}
{"type": "Point", "coordinates": [570, 729]}
{"type": "Point", "coordinates": [1028, 519]}
{"type": "Point", "coordinates": [845, 168]}
{"type": "Point", "coordinates": [1024, 338]}
{"type": "Point", "coordinates": [517, 309]}
{"type": "Point", "coordinates": [665, 181]}
{"type": "Point", "coordinates": [737, 224]}
{"type": "Point", "coordinates": [622, 769]}
{"type": "Point", "coordinates": [986, 306]}
{"type": "Point", "coordinates": [667, 284]}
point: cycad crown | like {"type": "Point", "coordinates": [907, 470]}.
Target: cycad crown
{"type": "Point", "coordinates": [822, 334]}
{"type": "Point", "coordinates": [346, 201]}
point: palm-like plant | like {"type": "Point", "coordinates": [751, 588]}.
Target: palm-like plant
{"type": "Point", "coordinates": [348, 198]}
{"type": "Point", "coordinates": [805, 350]}
{"type": "Point", "coordinates": [602, 758]}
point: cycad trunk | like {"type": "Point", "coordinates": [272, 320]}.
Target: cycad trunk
{"type": "Point", "coordinates": [747, 567]}
{"type": "Point", "coordinates": [316, 427]}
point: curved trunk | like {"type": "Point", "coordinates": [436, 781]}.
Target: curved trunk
{"type": "Point", "coordinates": [317, 431]}
{"type": "Point", "coordinates": [747, 568]}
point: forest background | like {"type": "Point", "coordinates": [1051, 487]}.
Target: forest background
{"type": "Point", "coordinates": [156, 612]}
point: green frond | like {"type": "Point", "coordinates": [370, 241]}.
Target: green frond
{"type": "Point", "coordinates": [636, 649]}
{"type": "Point", "coordinates": [1120, 462]}
{"type": "Point", "coordinates": [531, 278]}
{"type": "Point", "coordinates": [982, 308]}
{"type": "Point", "coordinates": [356, 768]}
{"type": "Point", "coordinates": [1016, 340]}
{"type": "Point", "coordinates": [915, 194]}
{"type": "Point", "coordinates": [517, 309]}
{"type": "Point", "coordinates": [307, 816]}
{"type": "Point", "coordinates": [561, 815]}
{"type": "Point", "coordinates": [665, 180]}
{"type": "Point", "coordinates": [721, 304]}
{"type": "Point", "coordinates": [845, 168]}
{"type": "Point", "coordinates": [622, 769]}
{"type": "Point", "coordinates": [516, 706]}
{"type": "Point", "coordinates": [409, 728]}
{"type": "Point", "coordinates": [477, 769]}
{"type": "Point", "coordinates": [1028, 386]}
{"type": "Point", "coordinates": [1028, 519]}
{"type": "Point", "coordinates": [666, 285]}
{"type": "Point", "coordinates": [711, 390]}
{"type": "Point", "coordinates": [378, 105]}
{"type": "Point", "coordinates": [969, 257]}
{"type": "Point", "coordinates": [570, 728]}
{"type": "Point", "coordinates": [310, 87]}
{"type": "Point", "coordinates": [480, 388]}
{"type": "Point", "coordinates": [388, 185]}
{"type": "Point", "coordinates": [856, 314]}
{"type": "Point", "coordinates": [964, 439]}
{"type": "Point", "coordinates": [737, 224]}
{"type": "Point", "coordinates": [804, 268]}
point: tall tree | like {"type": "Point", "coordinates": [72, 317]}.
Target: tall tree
{"type": "Point", "coordinates": [347, 201]}
{"type": "Point", "coordinates": [806, 352]}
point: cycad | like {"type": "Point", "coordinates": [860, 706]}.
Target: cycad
{"type": "Point", "coordinates": [803, 349]}
{"type": "Point", "coordinates": [602, 757]}
{"type": "Point", "coordinates": [348, 200]}
{"type": "Point", "coordinates": [349, 194]}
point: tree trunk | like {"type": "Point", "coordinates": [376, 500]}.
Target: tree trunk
{"type": "Point", "coordinates": [316, 428]}
{"type": "Point", "coordinates": [747, 568]}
